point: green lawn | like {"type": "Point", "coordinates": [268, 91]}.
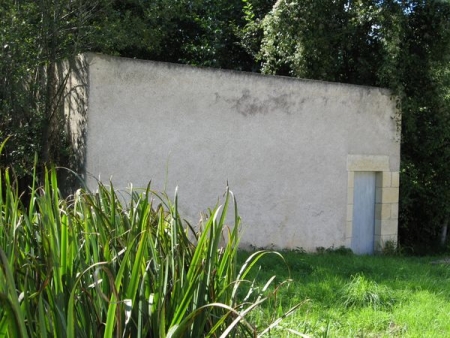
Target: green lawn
{"type": "Point", "coordinates": [345, 295]}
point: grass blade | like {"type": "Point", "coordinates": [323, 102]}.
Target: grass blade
{"type": "Point", "coordinates": [10, 300]}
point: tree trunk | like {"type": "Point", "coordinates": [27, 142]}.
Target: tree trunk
{"type": "Point", "coordinates": [444, 232]}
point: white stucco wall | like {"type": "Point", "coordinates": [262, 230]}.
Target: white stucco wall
{"type": "Point", "coordinates": [281, 143]}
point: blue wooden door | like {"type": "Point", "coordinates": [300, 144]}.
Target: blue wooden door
{"type": "Point", "coordinates": [363, 231]}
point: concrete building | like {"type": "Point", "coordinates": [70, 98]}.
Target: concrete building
{"type": "Point", "coordinates": [312, 164]}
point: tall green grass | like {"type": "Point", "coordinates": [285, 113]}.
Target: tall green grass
{"type": "Point", "coordinates": [98, 265]}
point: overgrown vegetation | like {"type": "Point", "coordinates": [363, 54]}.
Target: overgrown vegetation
{"type": "Point", "coordinates": [94, 265]}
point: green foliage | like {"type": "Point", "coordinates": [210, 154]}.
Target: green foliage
{"type": "Point", "coordinates": [342, 250]}
{"type": "Point", "coordinates": [361, 292]}
{"type": "Point", "coordinates": [95, 265]}
{"type": "Point", "coordinates": [334, 41]}
{"type": "Point", "coordinates": [35, 37]}
{"type": "Point", "coordinates": [208, 35]}
{"type": "Point", "coordinates": [425, 124]}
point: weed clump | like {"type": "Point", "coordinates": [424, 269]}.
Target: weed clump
{"type": "Point", "coordinates": [361, 292]}
{"type": "Point", "coordinates": [342, 250]}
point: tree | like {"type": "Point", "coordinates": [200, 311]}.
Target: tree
{"type": "Point", "coordinates": [424, 73]}
{"type": "Point", "coordinates": [206, 34]}
{"type": "Point", "coordinates": [35, 37]}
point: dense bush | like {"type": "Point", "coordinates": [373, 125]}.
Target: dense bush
{"type": "Point", "coordinates": [94, 265]}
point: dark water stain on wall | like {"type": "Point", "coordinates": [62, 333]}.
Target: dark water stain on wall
{"type": "Point", "coordinates": [250, 105]}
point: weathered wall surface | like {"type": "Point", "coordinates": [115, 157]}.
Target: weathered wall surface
{"type": "Point", "coordinates": [282, 144]}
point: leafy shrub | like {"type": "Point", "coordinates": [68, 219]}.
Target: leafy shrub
{"type": "Point", "coordinates": [92, 265]}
